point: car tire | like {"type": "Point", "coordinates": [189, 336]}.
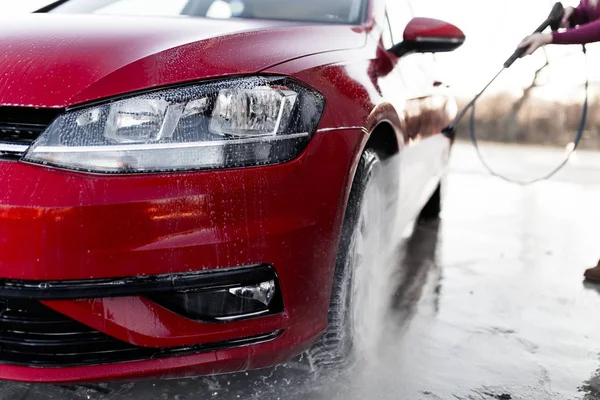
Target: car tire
{"type": "Point", "coordinates": [334, 350]}
{"type": "Point", "coordinates": [433, 208]}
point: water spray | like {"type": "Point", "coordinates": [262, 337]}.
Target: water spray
{"type": "Point", "coordinates": [553, 22]}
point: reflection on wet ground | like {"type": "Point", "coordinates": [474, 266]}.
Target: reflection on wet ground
{"type": "Point", "coordinates": [490, 304]}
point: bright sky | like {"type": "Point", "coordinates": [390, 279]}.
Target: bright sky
{"type": "Point", "coordinates": [493, 30]}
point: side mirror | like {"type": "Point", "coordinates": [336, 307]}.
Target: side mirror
{"type": "Point", "coordinates": [426, 35]}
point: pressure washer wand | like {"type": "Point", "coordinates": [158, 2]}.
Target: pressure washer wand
{"type": "Point", "coordinates": [552, 21]}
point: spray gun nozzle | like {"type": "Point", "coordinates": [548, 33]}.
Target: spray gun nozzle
{"type": "Point", "coordinates": [449, 131]}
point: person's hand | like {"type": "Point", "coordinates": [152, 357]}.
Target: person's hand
{"type": "Point", "coordinates": [534, 42]}
{"type": "Point", "coordinates": [565, 22]}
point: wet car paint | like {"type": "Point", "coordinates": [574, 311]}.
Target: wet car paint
{"type": "Point", "coordinates": [58, 60]}
{"type": "Point", "coordinates": [490, 303]}
{"type": "Point", "coordinates": [223, 218]}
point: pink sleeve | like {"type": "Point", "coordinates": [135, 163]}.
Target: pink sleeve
{"type": "Point", "coordinates": [587, 33]}
{"type": "Point", "coordinates": [579, 16]}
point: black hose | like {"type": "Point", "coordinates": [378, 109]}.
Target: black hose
{"type": "Point", "coordinates": [576, 142]}
{"type": "Point", "coordinates": [552, 21]}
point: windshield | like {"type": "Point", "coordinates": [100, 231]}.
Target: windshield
{"type": "Point", "coordinates": [338, 11]}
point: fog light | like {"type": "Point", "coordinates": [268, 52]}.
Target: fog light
{"type": "Point", "coordinates": [223, 304]}
{"type": "Point", "coordinates": [262, 293]}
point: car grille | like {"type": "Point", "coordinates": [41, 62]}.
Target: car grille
{"type": "Point", "coordinates": [21, 126]}
{"type": "Point", "coordinates": [32, 334]}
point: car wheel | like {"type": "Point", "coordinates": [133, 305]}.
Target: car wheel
{"type": "Point", "coordinates": [433, 208]}
{"type": "Point", "coordinates": [361, 234]}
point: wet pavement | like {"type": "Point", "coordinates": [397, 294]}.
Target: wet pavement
{"type": "Point", "coordinates": [490, 302]}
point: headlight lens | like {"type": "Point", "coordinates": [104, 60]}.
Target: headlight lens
{"type": "Point", "coordinates": [233, 123]}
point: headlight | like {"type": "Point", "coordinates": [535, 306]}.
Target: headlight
{"type": "Point", "coordinates": [232, 123]}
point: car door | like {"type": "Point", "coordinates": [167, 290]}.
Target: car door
{"type": "Point", "coordinates": [426, 111]}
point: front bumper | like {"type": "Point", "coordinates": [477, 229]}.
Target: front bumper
{"type": "Point", "coordinates": [236, 359]}
{"type": "Point", "coordinates": [59, 225]}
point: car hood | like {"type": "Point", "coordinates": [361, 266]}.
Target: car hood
{"type": "Point", "coordinates": [62, 60]}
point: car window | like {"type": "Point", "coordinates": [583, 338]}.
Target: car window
{"type": "Point", "coordinates": [387, 37]}
{"type": "Point", "coordinates": [134, 7]}
{"type": "Point", "coordinates": [414, 68]}
{"type": "Point", "coordinates": [337, 11]}
{"type": "Point", "coordinates": [400, 13]}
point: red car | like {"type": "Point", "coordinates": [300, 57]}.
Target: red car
{"type": "Point", "coordinates": [182, 181]}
